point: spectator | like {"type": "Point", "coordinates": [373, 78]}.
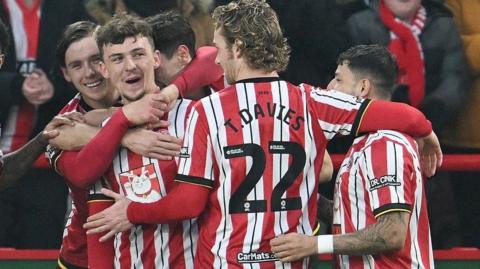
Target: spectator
{"type": "Point", "coordinates": [465, 136]}
{"type": "Point", "coordinates": [36, 98]}
{"type": "Point", "coordinates": [423, 37]}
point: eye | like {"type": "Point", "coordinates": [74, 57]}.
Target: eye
{"type": "Point", "coordinates": [116, 59]}
{"type": "Point", "coordinates": [138, 54]}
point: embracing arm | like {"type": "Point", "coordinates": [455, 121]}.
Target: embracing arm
{"type": "Point", "coordinates": [16, 164]}
{"type": "Point", "coordinates": [386, 235]}
{"type": "Point", "coordinates": [186, 201]}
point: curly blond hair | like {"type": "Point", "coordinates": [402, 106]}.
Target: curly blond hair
{"type": "Point", "coordinates": [253, 26]}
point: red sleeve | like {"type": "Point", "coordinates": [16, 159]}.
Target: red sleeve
{"type": "Point", "coordinates": [185, 201]}
{"type": "Point", "coordinates": [383, 115]}
{"type": "Point", "coordinates": [100, 254]}
{"type": "Point", "coordinates": [82, 168]}
{"type": "Point", "coordinates": [201, 71]}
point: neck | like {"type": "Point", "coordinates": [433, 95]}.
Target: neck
{"type": "Point", "coordinates": [106, 102]}
{"type": "Point", "coordinates": [248, 73]}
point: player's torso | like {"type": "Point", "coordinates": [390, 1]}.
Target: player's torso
{"type": "Point", "coordinates": [147, 180]}
{"type": "Point", "coordinates": [74, 244]}
{"type": "Point", "coordinates": [352, 206]}
{"type": "Point", "coordinates": [265, 173]}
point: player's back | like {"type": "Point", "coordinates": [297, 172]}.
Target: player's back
{"type": "Point", "coordinates": [261, 163]}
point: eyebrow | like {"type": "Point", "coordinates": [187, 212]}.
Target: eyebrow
{"type": "Point", "coordinates": [71, 64]}
{"type": "Point", "coordinates": [115, 55]}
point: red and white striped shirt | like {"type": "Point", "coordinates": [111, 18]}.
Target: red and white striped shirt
{"type": "Point", "coordinates": [74, 242]}
{"type": "Point", "coordinates": [257, 147]}
{"type": "Point", "coordinates": [147, 180]}
{"type": "Point", "coordinates": [380, 174]}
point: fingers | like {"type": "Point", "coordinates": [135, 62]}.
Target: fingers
{"type": "Point", "coordinates": [107, 236]}
{"type": "Point", "coordinates": [50, 134]}
{"type": "Point", "coordinates": [112, 194]}
{"type": "Point", "coordinates": [149, 81]}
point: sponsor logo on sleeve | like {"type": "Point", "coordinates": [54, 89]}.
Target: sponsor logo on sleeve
{"type": "Point", "coordinates": [383, 181]}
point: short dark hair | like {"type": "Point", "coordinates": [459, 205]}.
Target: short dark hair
{"type": "Point", "coordinates": [374, 62]}
{"type": "Point", "coordinates": [4, 38]}
{"type": "Point", "coordinates": [170, 30]}
{"type": "Point", "coordinates": [73, 33]}
{"type": "Point", "coordinates": [120, 27]}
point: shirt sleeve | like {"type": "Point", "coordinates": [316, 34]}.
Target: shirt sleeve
{"type": "Point", "coordinates": [196, 156]}
{"type": "Point", "coordinates": [336, 112]}
{"type": "Point", "coordinates": [389, 174]}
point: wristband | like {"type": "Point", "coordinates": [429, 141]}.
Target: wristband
{"type": "Point", "coordinates": [325, 244]}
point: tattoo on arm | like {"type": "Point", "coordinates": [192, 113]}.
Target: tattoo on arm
{"type": "Point", "coordinates": [387, 234]}
{"type": "Point", "coordinates": [325, 209]}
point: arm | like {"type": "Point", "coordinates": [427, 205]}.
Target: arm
{"type": "Point", "coordinates": [386, 235]}
{"type": "Point", "coordinates": [324, 209]}
{"type": "Point", "coordinates": [15, 164]}
{"type": "Point", "coordinates": [185, 201]}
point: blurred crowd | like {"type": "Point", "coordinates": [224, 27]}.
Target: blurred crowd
{"type": "Point", "coordinates": [439, 69]}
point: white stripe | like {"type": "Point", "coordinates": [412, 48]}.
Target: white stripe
{"type": "Point", "coordinates": [8, 132]}
{"type": "Point", "coordinates": [136, 246]}
{"type": "Point", "coordinates": [280, 161]}
{"type": "Point", "coordinates": [186, 163]}
{"type": "Point", "coordinates": [331, 129]}
{"type": "Point", "coordinates": [225, 226]}
{"type": "Point", "coordinates": [18, 30]}
{"type": "Point", "coordinates": [336, 99]}
{"type": "Point", "coordinates": [190, 238]}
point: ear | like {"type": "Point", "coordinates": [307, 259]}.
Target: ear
{"type": "Point", "coordinates": [236, 48]}
{"type": "Point", "coordinates": [102, 68]}
{"type": "Point", "coordinates": [367, 88]}
{"type": "Point", "coordinates": [183, 53]}
{"type": "Point", "coordinates": [156, 59]}
{"type": "Point", "coordinates": [65, 74]}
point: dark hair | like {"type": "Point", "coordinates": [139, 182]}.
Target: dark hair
{"type": "Point", "coordinates": [4, 37]}
{"type": "Point", "coordinates": [374, 62]}
{"type": "Point", "coordinates": [253, 26]}
{"type": "Point", "coordinates": [120, 27]}
{"type": "Point", "coordinates": [170, 30]}
{"type": "Point", "coordinates": [73, 33]}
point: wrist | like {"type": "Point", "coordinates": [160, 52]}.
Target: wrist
{"type": "Point", "coordinates": [325, 244]}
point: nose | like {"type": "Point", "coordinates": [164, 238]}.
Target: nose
{"type": "Point", "coordinates": [91, 70]}
{"type": "Point", "coordinates": [129, 64]}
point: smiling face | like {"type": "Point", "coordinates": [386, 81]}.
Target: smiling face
{"type": "Point", "coordinates": [82, 59]}
{"type": "Point", "coordinates": [125, 65]}
{"type": "Point", "coordinates": [345, 81]}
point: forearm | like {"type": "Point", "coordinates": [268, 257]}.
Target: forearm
{"type": "Point", "coordinates": [18, 162]}
{"type": "Point", "coordinates": [84, 167]}
{"type": "Point", "coordinates": [201, 72]}
{"type": "Point", "coordinates": [74, 137]}
{"type": "Point", "coordinates": [386, 235]}
{"type": "Point", "coordinates": [325, 209]}
{"type": "Point", "coordinates": [185, 201]}
{"type": "Point", "coordinates": [382, 115]}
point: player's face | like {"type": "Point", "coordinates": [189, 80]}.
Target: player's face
{"type": "Point", "coordinates": [82, 60]}
{"type": "Point", "coordinates": [125, 65]}
{"type": "Point", "coordinates": [345, 81]}
{"type": "Point", "coordinates": [225, 57]}
{"type": "Point", "coordinates": [404, 9]}
{"type": "Point", "coordinates": [168, 69]}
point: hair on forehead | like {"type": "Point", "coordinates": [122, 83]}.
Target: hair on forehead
{"type": "Point", "coordinates": [73, 33]}
{"type": "Point", "coordinates": [121, 27]}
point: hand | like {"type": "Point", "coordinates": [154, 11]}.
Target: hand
{"type": "Point", "coordinates": [51, 130]}
{"type": "Point", "coordinates": [111, 220]}
{"type": "Point", "coordinates": [149, 109]}
{"type": "Point", "coordinates": [37, 88]}
{"type": "Point", "coordinates": [431, 155]}
{"type": "Point", "coordinates": [171, 94]}
{"type": "Point", "coordinates": [152, 144]}
{"type": "Point", "coordinates": [97, 117]}
{"type": "Point", "coordinates": [293, 246]}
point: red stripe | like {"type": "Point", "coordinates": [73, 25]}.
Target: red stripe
{"type": "Point", "coordinates": [31, 24]}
